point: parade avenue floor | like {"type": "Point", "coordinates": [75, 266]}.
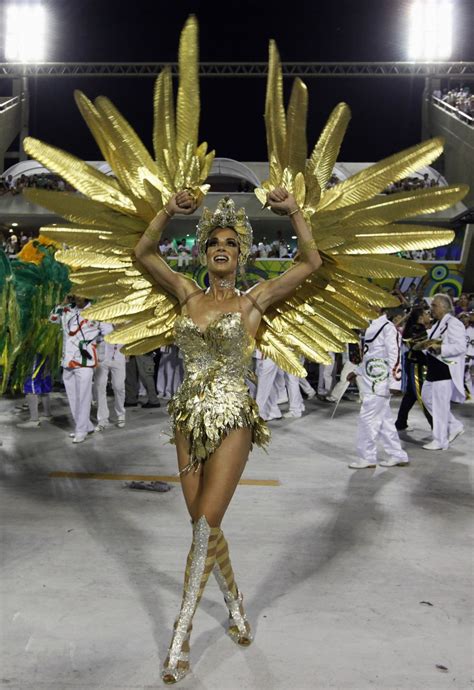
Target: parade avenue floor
{"type": "Point", "coordinates": [351, 579]}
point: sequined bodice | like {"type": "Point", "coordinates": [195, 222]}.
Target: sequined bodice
{"type": "Point", "coordinates": [224, 349]}
{"type": "Point", "coordinates": [214, 398]}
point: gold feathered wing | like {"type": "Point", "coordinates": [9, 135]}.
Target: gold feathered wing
{"type": "Point", "coordinates": [354, 227]}
{"type": "Point", "coordinates": [105, 223]}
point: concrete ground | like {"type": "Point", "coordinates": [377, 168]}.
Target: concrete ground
{"type": "Point", "coordinates": [351, 579]}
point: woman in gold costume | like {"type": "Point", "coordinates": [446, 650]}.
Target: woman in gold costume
{"type": "Point", "coordinates": [215, 421]}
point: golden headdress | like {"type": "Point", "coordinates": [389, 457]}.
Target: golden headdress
{"type": "Point", "coordinates": [225, 216]}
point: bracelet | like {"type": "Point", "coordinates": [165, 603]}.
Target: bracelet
{"type": "Point", "coordinates": [165, 210]}
{"type": "Point", "coordinates": [292, 213]}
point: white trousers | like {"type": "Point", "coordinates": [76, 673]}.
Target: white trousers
{"type": "Point", "coordinates": [78, 385]}
{"type": "Point", "coordinates": [325, 379]}
{"type": "Point", "coordinates": [436, 396]}
{"type": "Point", "coordinates": [116, 369]}
{"type": "Point", "coordinates": [295, 399]}
{"type": "Point", "coordinates": [376, 423]}
{"type": "Point", "coordinates": [267, 391]}
{"type": "Point", "coordinates": [306, 387]}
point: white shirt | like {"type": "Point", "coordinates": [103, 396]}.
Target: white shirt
{"type": "Point", "coordinates": [79, 337]}
{"type": "Point", "coordinates": [453, 351]}
{"type": "Point", "coordinates": [380, 366]}
{"type": "Point", "coordinates": [108, 352]}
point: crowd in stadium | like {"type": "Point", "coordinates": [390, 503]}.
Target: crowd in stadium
{"type": "Point", "coordinates": [461, 98]}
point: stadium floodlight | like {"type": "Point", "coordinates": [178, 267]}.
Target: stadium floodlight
{"type": "Point", "coordinates": [430, 31]}
{"type": "Point", "coordinates": [25, 32]}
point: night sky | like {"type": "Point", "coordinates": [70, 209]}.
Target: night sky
{"type": "Point", "coordinates": [386, 112]}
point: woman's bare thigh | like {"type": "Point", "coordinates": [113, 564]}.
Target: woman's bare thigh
{"type": "Point", "coordinates": [222, 472]}
{"type": "Point", "coordinates": [191, 482]}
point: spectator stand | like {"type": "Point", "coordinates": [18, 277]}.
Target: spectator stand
{"type": "Point", "coordinates": [458, 102]}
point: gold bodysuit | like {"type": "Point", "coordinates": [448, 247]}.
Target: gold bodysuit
{"type": "Point", "coordinates": [214, 398]}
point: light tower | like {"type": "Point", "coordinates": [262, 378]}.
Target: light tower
{"type": "Point", "coordinates": [25, 42]}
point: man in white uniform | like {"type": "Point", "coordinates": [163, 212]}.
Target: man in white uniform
{"type": "Point", "coordinates": [267, 390]}
{"type": "Point", "coordinates": [325, 377]}
{"type": "Point", "coordinates": [379, 374]}
{"type": "Point", "coordinates": [79, 360]}
{"type": "Point", "coordinates": [468, 321]}
{"type": "Point", "coordinates": [111, 361]}
{"type": "Point", "coordinates": [445, 373]}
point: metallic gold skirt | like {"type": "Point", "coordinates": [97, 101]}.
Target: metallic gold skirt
{"type": "Point", "coordinates": [205, 413]}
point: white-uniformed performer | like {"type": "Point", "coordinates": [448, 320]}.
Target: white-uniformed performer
{"type": "Point", "coordinates": [111, 362]}
{"type": "Point", "coordinates": [296, 405]}
{"type": "Point", "coordinates": [79, 359]}
{"type": "Point", "coordinates": [445, 373]}
{"type": "Point", "coordinates": [379, 373]}
{"type": "Point", "coordinates": [170, 371]}
{"type": "Point", "coordinates": [326, 376]}
{"type": "Point", "coordinates": [267, 390]}
{"type": "Point", "coordinates": [469, 366]}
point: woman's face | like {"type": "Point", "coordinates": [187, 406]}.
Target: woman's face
{"type": "Point", "coordinates": [222, 251]}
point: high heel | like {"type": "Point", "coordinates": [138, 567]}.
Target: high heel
{"type": "Point", "coordinates": [200, 562]}
{"type": "Point", "coordinates": [176, 666]}
{"type": "Point", "coordinates": [238, 627]}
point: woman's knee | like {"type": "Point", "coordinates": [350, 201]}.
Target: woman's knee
{"type": "Point", "coordinates": [213, 516]}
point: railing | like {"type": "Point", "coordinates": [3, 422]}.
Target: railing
{"type": "Point", "coordinates": [452, 110]}
{"type": "Point", "coordinates": [10, 103]}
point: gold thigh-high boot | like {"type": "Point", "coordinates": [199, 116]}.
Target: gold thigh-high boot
{"type": "Point", "coordinates": [199, 565]}
{"type": "Point", "coordinates": [239, 628]}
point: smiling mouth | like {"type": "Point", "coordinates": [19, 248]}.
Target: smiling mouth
{"type": "Point", "coordinates": [221, 258]}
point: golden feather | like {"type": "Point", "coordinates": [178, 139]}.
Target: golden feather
{"type": "Point", "coordinates": [296, 146]}
{"type": "Point", "coordinates": [324, 156]}
{"type": "Point", "coordinates": [374, 179]}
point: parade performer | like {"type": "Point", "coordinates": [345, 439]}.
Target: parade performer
{"type": "Point", "coordinates": [30, 349]}
{"type": "Point", "coordinates": [111, 361]}
{"type": "Point", "coordinates": [414, 366]}
{"type": "Point", "coordinates": [308, 311]}
{"type": "Point", "coordinates": [468, 321]}
{"type": "Point", "coordinates": [79, 360]}
{"type": "Point", "coordinates": [444, 383]}
{"type": "Point", "coordinates": [380, 374]}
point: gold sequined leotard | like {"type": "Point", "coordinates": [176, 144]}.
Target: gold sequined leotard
{"type": "Point", "coordinates": [214, 398]}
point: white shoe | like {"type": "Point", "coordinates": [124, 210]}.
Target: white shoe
{"type": "Point", "coordinates": [361, 465]}
{"type": "Point", "coordinates": [79, 439]}
{"type": "Point", "coordinates": [30, 424]}
{"type": "Point", "coordinates": [121, 423]}
{"type": "Point", "coordinates": [270, 419]}
{"type": "Point", "coordinates": [394, 462]}
{"type": "Point", "coordinates": [46, 417]}
{"type": "Point", "coordinates": [289, 415]}
{"type": "Point", "coordinates": [72, 434]}
{"type": "Point", "coordinates": [452, 436]}
{"type": "Point", "coordinates": [433, 445]}
{"type": "Point", "coordinates": [100, 427]}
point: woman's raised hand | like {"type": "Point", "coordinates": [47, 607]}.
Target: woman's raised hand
{"type": "Point", "coordinates": [281, 201]}
{"type": "Point", "coordinates": [183, 203]}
